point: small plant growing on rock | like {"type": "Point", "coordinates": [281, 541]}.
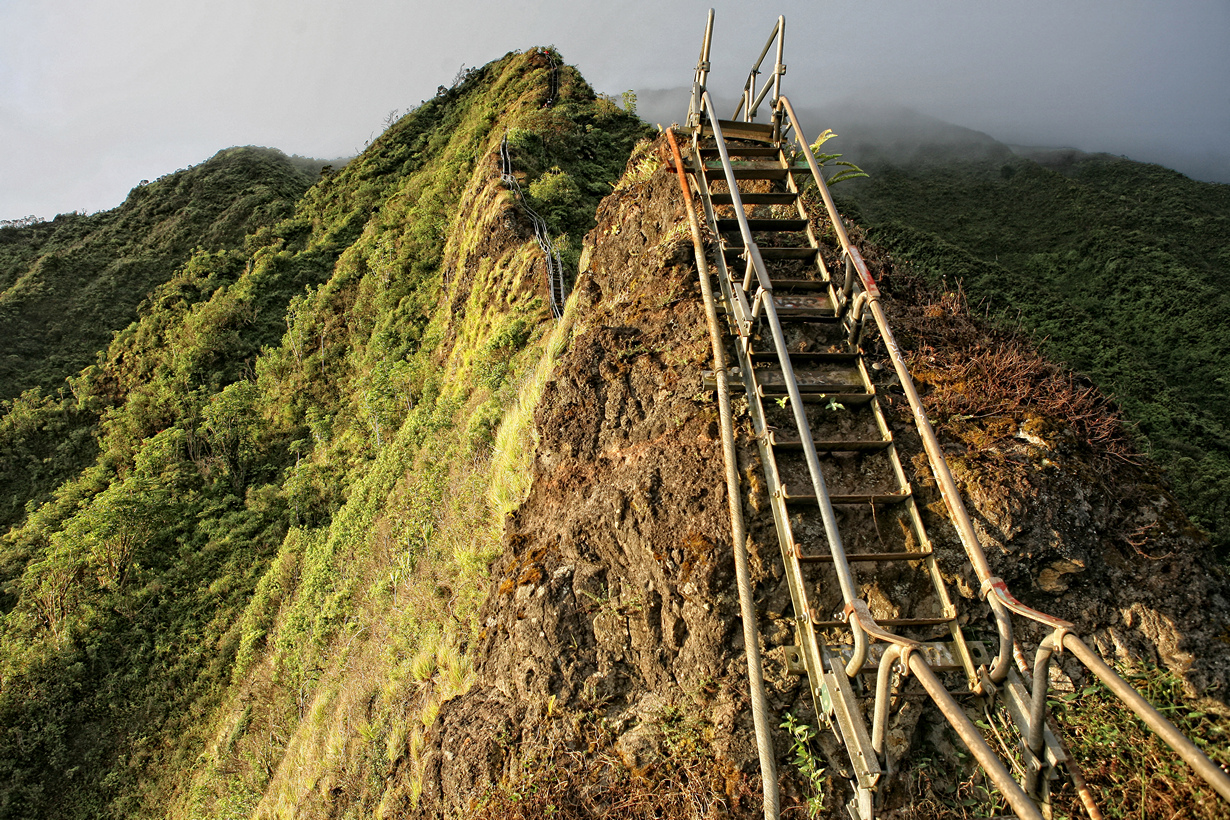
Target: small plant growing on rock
{"type": "Point", "coordinates": [807, 762]}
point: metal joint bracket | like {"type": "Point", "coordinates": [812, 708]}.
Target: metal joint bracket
{"type": "Point", "coordinates": [1057, 639]}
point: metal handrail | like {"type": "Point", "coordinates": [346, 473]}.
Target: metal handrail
{"type": "Point", "coordinates": [845, 576]}
{"type": "Point", "coordinates": [747, 606]}
{"type": "Point", "coordinates": [701, 79]}
{"type": "Point", "coordinates": [993, 588]}
{"type": "Point", "coordinates": [856, 612]}
{"type": "Point", "coordinates": [542, 234]}
{"type": "Point", "coordinates": [750, 102]}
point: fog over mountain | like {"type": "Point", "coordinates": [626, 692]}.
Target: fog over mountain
{"type": "Point", "coordinates": [95, 98]}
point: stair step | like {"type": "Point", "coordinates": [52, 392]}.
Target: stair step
{"type": "Point", "coordinates": [940, 656]}
{"type": "Point", "coordinates": [812, 381]}
{"type": "Point", "coordinates": [819, 624]}
{"type": "Point", "coordinates": [740, 151]}
{"type": "Point", "coordinates": [773, 253]}
{"type": "Point", "coordinates": [780, 285]}
{"type": "Point", "coordinates": [830, 445]}
{"type": "Point", "coordinates": [736, 130]}
{"type": "Point", "coordinates": [808, 358]}
{"type": "Point", "coordinates": [744, 171]}
{"type": "Point", "coordinates": [802, 314]}
{"type": "Point", "coordinates": [821, 397]}
{"type": "Point", "coordinates": [844, 500]}
{"type": "Point", "coordinates": [802, 301]}
{"type": "Point", "coordinates": [732, 225]}
{"type": "Point", "coordinates": [863, 557]}
{"type": "Point", "coordinates": [755, 199]}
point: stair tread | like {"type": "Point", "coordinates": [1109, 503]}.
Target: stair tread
{"type": "Point", "coordinates": [888, 622]}
{"type": "Point", "coordinates": [842, 380]}
{"type": "Point", "coordinates": [735, 129]}
{"type": "Point", "coordinates": [750, 198]}
{"type": "Point", "coordinates": [845, 499]}
{"type": "Point", "coordinates": [741, 150]}
{"type": "Point", "coordinates": [809, 397]}
{"type": "Point", "coordinates": [774, 253]}
{"type": "Point", "coordinates": [939, 654]}
{"type": "Point", "coordinates": [725, 225]}
{"type": "Point", "coordinates": [798, 284]}
{"type": "Point", "coordinates": [831, 445]}
{"type": "Point", "coordinates": [814, 356]}
{"type": "Point", "coordinates": [865, 557]}
{"type": "Point", "coordinates": [745, 172]}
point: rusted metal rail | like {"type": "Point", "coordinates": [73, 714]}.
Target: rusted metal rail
{"type": "Point", "coordinates": [796, 328]}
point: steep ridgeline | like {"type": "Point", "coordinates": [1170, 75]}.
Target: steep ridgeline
{"type": "Point", "coordinates": [1121, 267]}
{"type": "Point", "coordinates": [268, 575]}
{"type": "Point", "coordinates": [68, 284]}
{"type": "Point", "coordinates": [609, 674]}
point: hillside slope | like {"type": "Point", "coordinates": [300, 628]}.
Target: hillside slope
{"type": "Point", "coordinates": [1118, 268]}
{"type": "Point", "coordinates": [360, 530]}
{"type": "Point", "coordinates": [609, 674]}
{"type": "Point", "coordinates": [68, 284]}
{"type": "Point", "coordinates": [284, 424]}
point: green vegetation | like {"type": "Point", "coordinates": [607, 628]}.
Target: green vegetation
{"type": "Point", "coordinates": [1120, 269]}
{"type": "Point", "coordinates": [269, 505]}
{"type": "Point", "coordinates": [807, 761]}
{"type": "Point", "coordinates": [1127, 765]}
{"type": "Point", "coordinates": [68, 284]}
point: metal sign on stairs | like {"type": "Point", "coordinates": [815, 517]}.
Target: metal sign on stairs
{"type": "Point", "coordinates": [841, 502]}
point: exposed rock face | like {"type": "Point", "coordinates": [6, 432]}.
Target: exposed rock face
{"type": "Point", "coordinates": [611, 640]}
{"type": "Point", "coordinates": [612, 611]}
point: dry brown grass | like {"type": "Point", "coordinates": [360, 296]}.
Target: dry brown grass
{"type": "Point", "coordinates": [579, 785]}
{"type": "Point", "coordinates": [994, 378]}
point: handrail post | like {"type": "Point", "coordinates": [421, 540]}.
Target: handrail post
{"type": "Point", "coordinates": [701, 78]}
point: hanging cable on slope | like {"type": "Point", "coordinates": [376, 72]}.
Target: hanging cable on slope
{"type": "Point", "coordinates": [555, 266]}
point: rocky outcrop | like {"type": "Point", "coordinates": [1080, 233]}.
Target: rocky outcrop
{"type": "Point", "coordinates": [610, 669]}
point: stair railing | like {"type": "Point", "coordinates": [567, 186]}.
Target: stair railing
{"type": "Point", "coordinates": [856, 612]}
{"type": "Point", "coordinates": [763, 301]}
{"type": "Point", "coordinates": [701, 78]}
{"type": "Point", "coordinates": [993, 589]}
{"type": "Point", "coordinates": [750, 102]}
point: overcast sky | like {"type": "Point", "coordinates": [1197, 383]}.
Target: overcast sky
{"type": "Point", "coordinates": [96, 95]}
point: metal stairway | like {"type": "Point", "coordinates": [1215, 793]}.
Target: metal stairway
{"type": "Point", "coordinates": [841, 502]}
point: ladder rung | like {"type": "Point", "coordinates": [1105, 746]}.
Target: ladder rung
{"type": "Point", "coordinates": [774, 253]}
{"type": "Point", "coordinates": [808, 358]}
{"type": "Point", "coordinates": [886, 622]}
{"type": "Point", "coordinates": [736, 130]}
{"type": "Point", "coordinates": [732, 225]}
{"type": "Point", "coordinates": [940, 655]}
{"type": "Point", "coordinates": [847, 399]}
{"type": "Point", "coordinates": [830, 446]}
{"type": "Point", "coordinates": [846, 499]}
{"type": "Point", "coordinates": [797, 284]}
{"type": "Point", "coordinates": [808, 314]}
{"type": "Point", "coordinates": [766, 172]}
{"type": "Point", "coordinates": [754, 199]}
{"type": "Point", "coordinates": [863, 557]}
{"type": "Point", "coordinates": [802, 301]}
{"type": "Point", "coordinates": [812, 381]}
{"type": "Point", "coordinates": [741, 151]}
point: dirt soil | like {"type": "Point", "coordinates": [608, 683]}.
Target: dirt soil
{"type": "Point", "coordinates": [611, 678]}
